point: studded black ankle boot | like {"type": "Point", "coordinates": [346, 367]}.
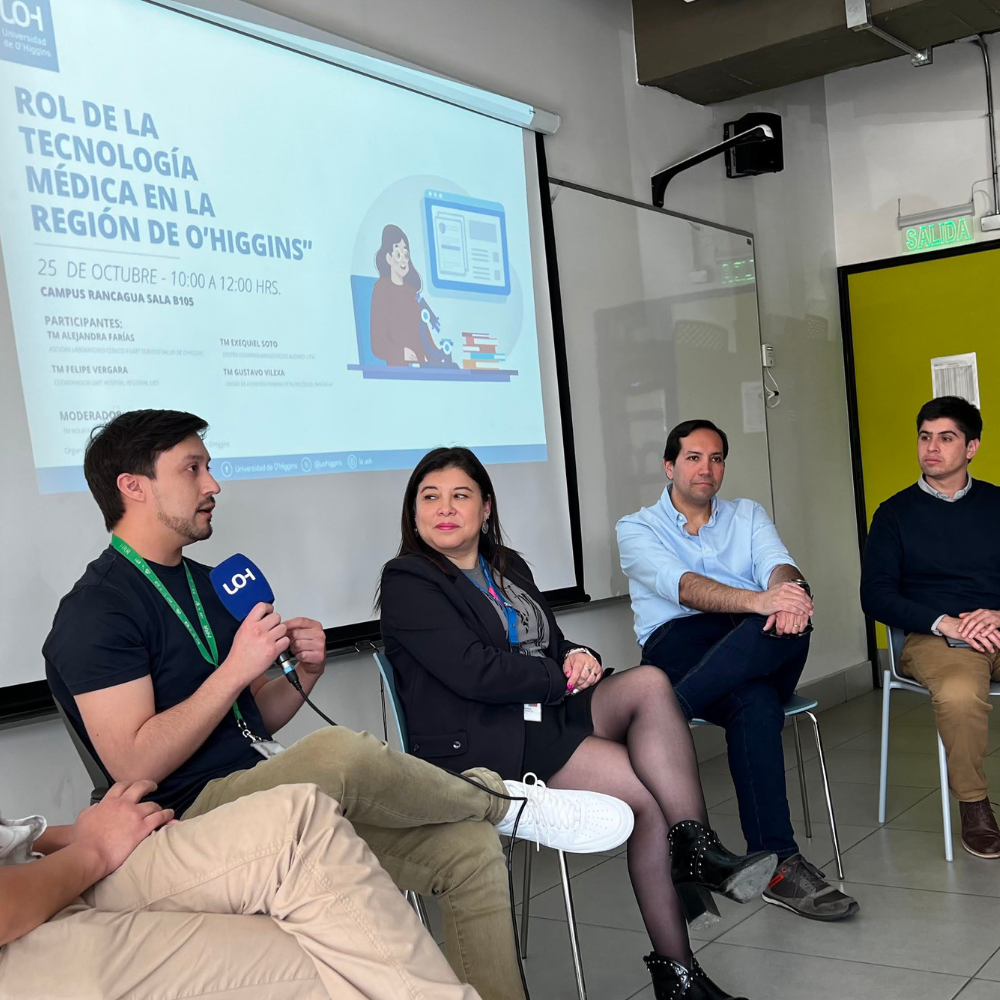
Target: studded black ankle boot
{"type": "Point", "coordinates": [697, 855]}
{"type": "Point", "coordinates": [673, 981]}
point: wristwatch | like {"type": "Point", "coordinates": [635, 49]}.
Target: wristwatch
{"type": "Point", "coordinates": [802, 583]}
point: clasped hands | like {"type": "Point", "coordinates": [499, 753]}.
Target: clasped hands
{"type": "Point", "coordinates": [980, 629]}
{"type": "Point", "coordinates": [788, 608]}
{"type": "Point", "coordinates": [582, 670]}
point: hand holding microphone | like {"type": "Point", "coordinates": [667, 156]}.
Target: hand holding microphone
{"type": "Point", "coordinates": [263, 639]}
{"type": "Point", "coordinates": [260, 641]}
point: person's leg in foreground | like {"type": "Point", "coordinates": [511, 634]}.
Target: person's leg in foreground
{"type": "Point", "coordinates": [184, 916]}
{"type": "Point", "coordinates": [727, 671]}
{"type": "Point", "coordinates": [641, 752]}
{"type": "Point", "coordinates": [433, 832]}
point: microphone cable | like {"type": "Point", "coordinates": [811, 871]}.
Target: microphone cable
{"type": "Point", "coordinates": [293, 679]}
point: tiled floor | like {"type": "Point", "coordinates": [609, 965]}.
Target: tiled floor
{"type": "Point", "coordinates": [927, 930]}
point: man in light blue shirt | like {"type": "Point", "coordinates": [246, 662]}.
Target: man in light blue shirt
{"type": "Point", "coordinates": [721, 608]}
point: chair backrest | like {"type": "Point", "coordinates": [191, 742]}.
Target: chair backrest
{"type": "Point", "coordinates": [385, 668]}
{"type": "Point", "coordinates": [97, 775]}
{"type": "Point", "coordinates": [361, 295]}
{"type": "Point", "coordinates": [896, 640]}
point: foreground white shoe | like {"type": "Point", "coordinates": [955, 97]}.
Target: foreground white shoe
{"type": "Point", "coordinates": [565, 819]}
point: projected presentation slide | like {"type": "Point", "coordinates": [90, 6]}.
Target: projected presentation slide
{"type": "Point", "coordinates": [334, 271]}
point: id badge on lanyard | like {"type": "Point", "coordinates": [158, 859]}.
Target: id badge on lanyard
{"type": "Point", "coordinates": [532, 709]}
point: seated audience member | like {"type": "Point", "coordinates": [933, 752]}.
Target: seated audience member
{"type": "Point", "coordinates": [720, 607]}
{"type": "Point", "coordinates": [161, 682]}
{"type": "Point", "coordinates": [170, 913]}
{"type": "Point", "coordinates": [932, 569]}
{"type": "Point", "coordinates": [487, 679]}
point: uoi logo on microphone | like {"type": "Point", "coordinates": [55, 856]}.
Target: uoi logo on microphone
{"type": "Point", "coordinates": [27, 34]}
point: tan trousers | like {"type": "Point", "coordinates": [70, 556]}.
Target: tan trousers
{"type": "Point", "coordinates": [959, 683]}
{"type": "Point", "coordinates": [432, 832]}
{"type": "Point", "coordinates": [273, 897]}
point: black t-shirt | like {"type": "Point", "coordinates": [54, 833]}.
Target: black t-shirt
{"type": "Point", "coordinates": [114, 626]}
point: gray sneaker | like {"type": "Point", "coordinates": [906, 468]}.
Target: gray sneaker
{"type": "Point", "coordinates": [801, 887]}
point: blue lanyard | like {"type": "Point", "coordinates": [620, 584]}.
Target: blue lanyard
{"type": "Point", "coordinates": [509, 611]}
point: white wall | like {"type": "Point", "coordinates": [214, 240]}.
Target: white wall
{"type": "Point", "coordinates": [575, 57]}
{"type": "Point", "coordinates": [918, 135]}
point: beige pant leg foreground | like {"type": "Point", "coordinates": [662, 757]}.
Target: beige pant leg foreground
{"type": "Point", "coordinates": [290, 855]}
{"type": "Point", "coordinates": [88, 954]}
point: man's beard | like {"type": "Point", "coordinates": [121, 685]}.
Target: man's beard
{"type": "Point", "coordinates": [186, 527]}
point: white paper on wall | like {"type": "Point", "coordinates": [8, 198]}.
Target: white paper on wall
{"type": "Point", "coordinates": [956, 375]}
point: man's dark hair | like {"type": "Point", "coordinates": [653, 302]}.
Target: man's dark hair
{"type": "Point", "coordinates": [682, 430]}
{"type": "Point", "coordinates": [132, 442]}
{"type": "Point", "coordinates": [967, 417]}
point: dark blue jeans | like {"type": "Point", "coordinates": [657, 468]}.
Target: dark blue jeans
{"type": "Point", "coordinates": [726, 671]}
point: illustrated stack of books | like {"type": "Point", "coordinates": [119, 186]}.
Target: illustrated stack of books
{"type": "Point", "coordinates": [481, 352]}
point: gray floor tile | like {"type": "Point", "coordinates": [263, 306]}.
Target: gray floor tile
{"type": "Point", "coordinates": [991, 970]}
{"type": "Point", "coordinates": [908, 739]}
{"type": "Point", "coordinates": [854, 804]}
{"type": "Point", "coordinates": [914, 859]}
{"type": "Point", "coordinates": [919, 770]}
{"type": "Point", "coordinates": [922, 715]}
{"type": "Point", "coordinates": [904, 928]}
{"type": "Point", "coordinates": [545, 868]}
{"type": "Point", "coordinates": [980, 989]}
{"type": "Point", "coordinates": [612, 962]}
{"type": "Point", "coordinates": [603, 897]}
{"type": "Point", "coordinates": [926, 816]}
{"type": "Point", "coordinates": [766, 976]}
{"type": "Point", "coordinates": [819, 849]}
{"type": "Point", "coordinates": [716, 782]}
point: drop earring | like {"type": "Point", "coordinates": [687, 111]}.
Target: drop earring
{"type": "Point", "coordinates": [486, 526]}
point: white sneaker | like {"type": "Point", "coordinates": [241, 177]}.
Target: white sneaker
{"type": "Point", "coordinates": [567, 820]}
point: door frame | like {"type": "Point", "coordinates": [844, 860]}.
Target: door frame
{"type": "Point", "coordinates": [844, 272]}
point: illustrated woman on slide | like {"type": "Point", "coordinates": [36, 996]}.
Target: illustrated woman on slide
{"type": "Point", "coordinates": [399, 332]}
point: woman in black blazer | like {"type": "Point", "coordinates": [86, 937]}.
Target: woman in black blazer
{"type": "Point", "coordinates": [487, 679]}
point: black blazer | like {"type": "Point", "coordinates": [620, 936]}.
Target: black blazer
{"type": "Point", "coordinates": [462, 688]}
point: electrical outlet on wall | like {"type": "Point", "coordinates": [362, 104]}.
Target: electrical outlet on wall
{"type": "Point", "coordinates": [767, 355]}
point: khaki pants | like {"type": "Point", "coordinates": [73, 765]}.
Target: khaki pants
{"type": "Point", "coordinates": [273, 897]}
{"type": "Point", "coordinates": [432, 832]}
{"type": "Point", "coordinates": [959, 683]}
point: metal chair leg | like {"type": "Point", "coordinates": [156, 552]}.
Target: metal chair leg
{"type": "Point", "coordinates": [574, 939]}
{"type": "Point", "coordinates": [529, 854]}
{"type": "Point", "coordinates": [949, 852]}
{"type": "Point", "coordinates": [418, 905]}
{"type": "Point", "coordinates": [802, 777]}
{"type": "Point", "coordinates": [829, 798]}
{"type": "Point", "coordinates": [883, 769]}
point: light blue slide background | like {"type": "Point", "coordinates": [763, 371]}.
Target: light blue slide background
{"type": "Point", "coordinates": [286, 145]}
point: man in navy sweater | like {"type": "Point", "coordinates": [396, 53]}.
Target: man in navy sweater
{"type": "Point", "coordinates": [932, 569]}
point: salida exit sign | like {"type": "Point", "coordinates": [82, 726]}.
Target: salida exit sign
{"type": "Point", "coordinates": [943, 233]}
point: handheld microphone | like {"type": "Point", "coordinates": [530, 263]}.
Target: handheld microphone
{"type": "Point", "coordinates": [241, 586]}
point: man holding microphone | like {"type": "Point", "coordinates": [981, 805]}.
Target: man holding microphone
{"type": "Point", "coordinates": [162, 683]}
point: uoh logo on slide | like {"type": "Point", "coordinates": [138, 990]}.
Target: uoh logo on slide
{"type": "Point", "coordinates": [27, 35]}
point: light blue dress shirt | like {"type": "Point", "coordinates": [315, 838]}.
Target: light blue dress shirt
{"type": "Point", "coordinates": [739, 547]}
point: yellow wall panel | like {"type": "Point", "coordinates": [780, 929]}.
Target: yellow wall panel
{"type": "Point", "coordinates": [901, 317]}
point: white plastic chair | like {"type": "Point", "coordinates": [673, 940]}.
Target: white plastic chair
{"type": "Point", "coordinates": [894, 680]}
{"type": "Point", "coordinates": [388, 679]}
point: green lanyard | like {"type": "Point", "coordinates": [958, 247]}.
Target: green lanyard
{"type": "Point", "coordinates": [212, 657]}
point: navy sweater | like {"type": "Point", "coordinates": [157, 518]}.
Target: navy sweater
{"type": "Point", "coordinates": [927, 557]}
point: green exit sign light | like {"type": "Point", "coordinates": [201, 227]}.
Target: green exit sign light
{"type": "Point", "coordinates": [943, 233]}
